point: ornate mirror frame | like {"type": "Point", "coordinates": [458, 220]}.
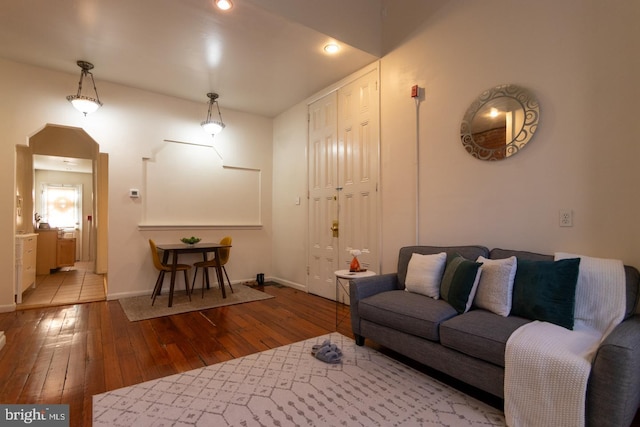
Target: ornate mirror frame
{"type": "Point", "coordinates": [500, 122]}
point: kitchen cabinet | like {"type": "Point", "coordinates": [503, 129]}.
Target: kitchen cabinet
{"type": "Point", "coordinates": [66, 253]}
{"type": "Point", "coordinates": [26, 251]}
{"type": "Point", "coordinates": [54, 251]}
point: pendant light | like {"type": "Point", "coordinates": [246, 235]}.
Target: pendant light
{"type": "Point", "coordinates": [213, 127]}
{"type": "Point", "coordinates": [82, 103]}
{"type": "Point", "coordinates": [223, 4]}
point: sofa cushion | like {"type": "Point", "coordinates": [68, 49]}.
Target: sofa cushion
{"type": "Point", "coordinates": [460, 282]}
{"type": "Point", "coordinates": [498, 253]}
{"type": "Point", "coordinates": [469, 252]}
{"type": "Point", "coordinates": [496, 285]}
{"type": "Point", "coordinates": [411, 313]}
{"type": "Point", "coordinates": [633, 287]}
{"type": "Point", "coordinates": [480, 333]}
{"type": "Point", "coordinates": [632, 274]}
{"type": "Point", "coordinates": [424, 274]}
{"type": "Point", "coordinates": [546, 290]}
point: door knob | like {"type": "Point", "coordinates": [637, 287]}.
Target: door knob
{"type": "Point", "coordinates": [334, 228]}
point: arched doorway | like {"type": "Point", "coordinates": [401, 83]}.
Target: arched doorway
{"type": "Point", "coordinates": [56, 144]}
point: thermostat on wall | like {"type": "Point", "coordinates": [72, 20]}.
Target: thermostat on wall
{"type": "Point", "coordinates": [134, 193]}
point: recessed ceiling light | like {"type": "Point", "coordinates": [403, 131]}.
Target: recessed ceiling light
{"type": "Point", "coordinates": [224, 4]}
{"type": "Point", "coordinates": [331, 48]}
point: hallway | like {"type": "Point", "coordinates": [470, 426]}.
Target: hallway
{"type": "Point", "coordinates": [68, 285]}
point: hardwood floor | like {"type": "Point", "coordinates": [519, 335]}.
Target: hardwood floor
{"type": "Point", "coordinates": [67, 354]}
{"type": "Point", "coordinates": [68, 285]}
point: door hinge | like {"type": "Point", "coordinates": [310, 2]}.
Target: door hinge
{"type": "Point", "coordinates": [308, 270]}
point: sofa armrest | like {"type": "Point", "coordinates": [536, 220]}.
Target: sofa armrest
{"type": "Point", "coordinates": [613, 393]}
{"type": "Point", "coordinates": [364, 287]}
{"type": "Point", "coordinates": [367, 286]}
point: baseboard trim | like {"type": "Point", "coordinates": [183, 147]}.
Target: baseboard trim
{"type": "Point", "coordinates": [119, 295]}
{"type": "Point", "coordinates": [7, 308]}
{"type": "Point", "coordinates": [288, 283]}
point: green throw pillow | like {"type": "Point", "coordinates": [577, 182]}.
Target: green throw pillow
{"type": "Point", "coordinates": [546, 290]}
{"type": "Point", "coordinates": [459, 283]}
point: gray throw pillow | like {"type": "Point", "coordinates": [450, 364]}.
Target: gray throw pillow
{"type": "Point", "coordinates": [495, 289]}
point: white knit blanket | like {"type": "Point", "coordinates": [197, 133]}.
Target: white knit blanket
{"type": "Point", "coordinates": [547, 366]}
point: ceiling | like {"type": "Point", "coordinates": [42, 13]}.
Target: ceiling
{"type": "Point", "coordinates": [62, 164]}
{"type": "Point", "coordinates": [262, 56]}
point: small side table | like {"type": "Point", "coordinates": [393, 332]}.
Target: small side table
{"type": "Point", "coordinates": [343, 279]}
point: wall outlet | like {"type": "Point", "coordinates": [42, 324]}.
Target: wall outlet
{"type": "Point", "coordinates": [566, 218]}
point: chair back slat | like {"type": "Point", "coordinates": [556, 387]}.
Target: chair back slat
{"type": "Point", "coordinates": [225, 252]}
{"type": "Point", "coordinates": [154, 255]}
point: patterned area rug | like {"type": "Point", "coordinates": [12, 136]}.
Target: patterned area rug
{"type": "Point", "coordinates": [140, 308]}
{"type": "Point", "coordinates": [287, 386]}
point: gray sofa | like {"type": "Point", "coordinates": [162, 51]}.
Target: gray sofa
{"type": "Point", "coordinates": [471, 346]}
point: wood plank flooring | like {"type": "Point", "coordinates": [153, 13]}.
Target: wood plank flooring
{"type": "Point", "coordinates": [67, 354]}
{"type": "Point", "coordinates": [68, 285]}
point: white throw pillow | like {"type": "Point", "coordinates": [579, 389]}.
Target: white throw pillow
{"type": "Point", "coordinates": [495, 289]}
{"type": "Point", "coordinates": [424, 274]}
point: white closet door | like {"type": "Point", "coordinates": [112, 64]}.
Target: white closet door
{"type": "Point", "coordinates": [343, 178]}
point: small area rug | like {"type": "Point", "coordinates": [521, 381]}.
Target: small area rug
{"type": "Point", "coordinates": [140, 308]}
{"type": "Point", "coordinates": [287, 386]}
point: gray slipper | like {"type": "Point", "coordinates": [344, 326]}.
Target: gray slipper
{"type": "Point", "coordinates": [334, 348]}
{"type": "Point", "coordinates": [327, 355]}
{"type": "Point", "coordinates": [317, 347]}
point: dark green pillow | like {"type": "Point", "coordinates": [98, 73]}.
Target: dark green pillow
{"type": "Point", "coordinates": [546, 290]}
{"type": "Point", "coordinates": [459, 283]}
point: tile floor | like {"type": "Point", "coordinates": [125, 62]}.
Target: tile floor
{"type": "Point", "coordinates": [68, 285]}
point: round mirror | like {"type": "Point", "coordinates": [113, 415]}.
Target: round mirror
{"type": "Point", "coordinates": [500, 122]}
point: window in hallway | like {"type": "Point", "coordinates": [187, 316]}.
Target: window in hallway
{"type": "Point", "coordinates": [62, 205]}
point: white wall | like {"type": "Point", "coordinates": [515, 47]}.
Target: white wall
{"type": "Point", "coordinates": [582, 157]}
{"type": "Point", "coordinates": [131, 125]}
{"type": "Point", "coordinates": [580, 59]}
{"type": "Point", "coordinates": [289, 184]}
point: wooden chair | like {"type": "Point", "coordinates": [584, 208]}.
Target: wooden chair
{"type": "Point", "coordinates": [164, 268]}
{"type": "Point", "coordinates": [205, 265]}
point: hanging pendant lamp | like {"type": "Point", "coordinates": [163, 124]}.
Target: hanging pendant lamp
{"type": "Point", "coordinates": [213, 127]}
{"type": "Point", "coordinates": [224, 4]}
{"type": "Point", "coordinates": [83, 103]}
